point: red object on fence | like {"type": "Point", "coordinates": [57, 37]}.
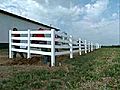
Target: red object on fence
{"type": "Point", "coordinates": [40, 35]}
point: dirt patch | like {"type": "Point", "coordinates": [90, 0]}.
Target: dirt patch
{"type": "Point", "coordinates": [32, 61]}
{"type": "Point", "coordinates": [3, 59]}
{"type": "Point", "coordinates": [35, 60]}
{"type": "Point", "coordinates": [19, 61]}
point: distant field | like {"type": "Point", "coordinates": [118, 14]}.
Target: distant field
{"type": "Point", "coordinates": [98, 70]}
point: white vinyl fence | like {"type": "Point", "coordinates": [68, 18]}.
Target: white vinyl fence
{"type": "Point", "coordinates": [58, 43]}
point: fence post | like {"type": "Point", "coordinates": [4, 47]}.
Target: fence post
{"type": "Point", "coordinates": [10, 44]}
{"type": "Point", "coordinates": [89, 46]}
{"type": "Point", "coordinates": [80, 46]}
{"type": "Point", "coordinates": [71, 46]}
{"type": "Point", "coordinates": [85, 46]}
{"type": "Point", "coordinates": [28, 48]}
{"type": "Point", "coordinates": [99, 45]}
{"type": "Point", "coordinates": [96, 46]}
{"type": "Point", "coordinates": [52, 47]}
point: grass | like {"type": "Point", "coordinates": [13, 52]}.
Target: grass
{"type": "Point", "coordinates": [98, 70]}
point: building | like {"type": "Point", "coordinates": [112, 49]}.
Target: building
{"type": "Point", "coordinates": [9, 21]}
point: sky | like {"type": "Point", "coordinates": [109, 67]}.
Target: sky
{"type": "Point", "coordinates": [93, 20]}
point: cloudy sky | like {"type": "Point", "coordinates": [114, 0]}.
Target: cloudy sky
{"type": "Point", "coordinates": [94, 20]}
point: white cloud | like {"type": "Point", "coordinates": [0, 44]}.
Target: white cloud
{"type": "Point", "coordinates": [46, 1]}
{"type": "Point", "coordinates": [94, 10]}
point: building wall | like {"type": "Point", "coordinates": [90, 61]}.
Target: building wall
{"type": "Point", "coordinates": [8, 22]}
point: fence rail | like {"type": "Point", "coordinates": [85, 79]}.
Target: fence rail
{"type": "Point", "coordinates": [59, 44]}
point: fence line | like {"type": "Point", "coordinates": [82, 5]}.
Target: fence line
{"type": "Point", "coordinates": [59, 44]}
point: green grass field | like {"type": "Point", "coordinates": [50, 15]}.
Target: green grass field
{"type": "Point", "coordinates": [98, 70]}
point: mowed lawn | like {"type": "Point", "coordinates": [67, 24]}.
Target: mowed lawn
{"type": "Point", "coordinates": [98, 70]}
